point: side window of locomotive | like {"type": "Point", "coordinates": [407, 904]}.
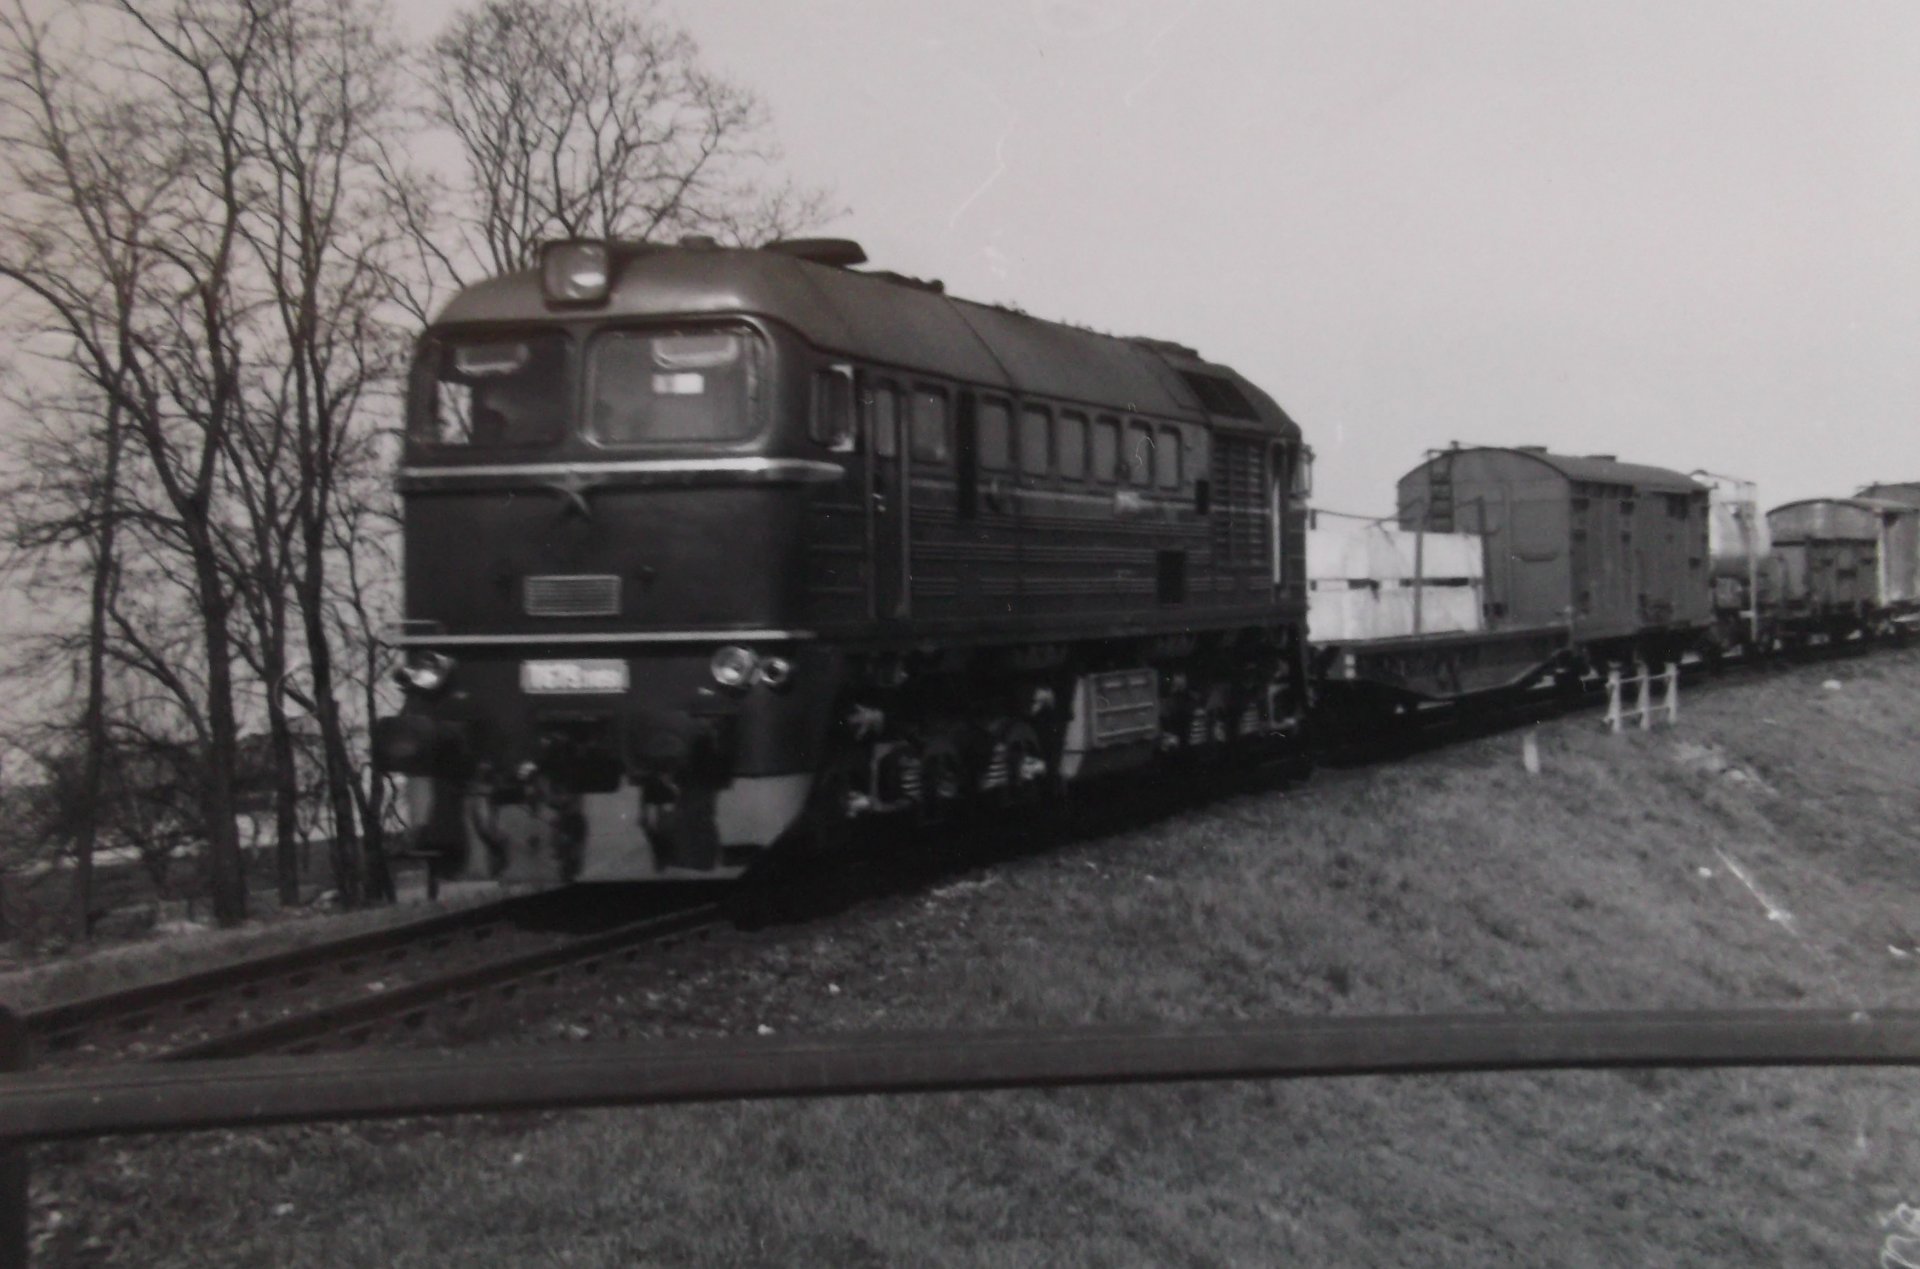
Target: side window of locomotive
{"type": "Point", "coordinates": [1072, 446]}
{"type": "Point", "coordinates": [1166, 459]}
{"type": "Point", "coordinates": [1036, 440]}
{"type": "Point", "coordinates": [488, 393]}
{"type": "Point", "coordinates": [686, 386]}
{"type": "Point", "coordinates": [882, 405]}
{"type": "Point", "coordinates": [833, 424]}
{"type": "Point", "coordinates": [932, 438]}
{"type": "Point", "coordinates": [1139, 464]}
{"type": "Point", "coordinates": [993, 435]}
{"type": "Point", "coordinates": [1106, 449]}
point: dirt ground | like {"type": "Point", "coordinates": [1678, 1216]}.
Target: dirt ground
{"type": "Point", "coordinates": [1762, 853]}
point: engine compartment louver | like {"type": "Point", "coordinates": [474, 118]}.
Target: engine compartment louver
{"type": "Point", "coordinates": [573, 595]}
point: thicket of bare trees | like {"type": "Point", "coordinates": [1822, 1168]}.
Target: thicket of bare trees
{"type": "Point", "coordinates": [217, 234]}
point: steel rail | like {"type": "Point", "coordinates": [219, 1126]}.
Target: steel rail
{"type": "Point", "coordinates": [60, 1027]}
{"type": "Point", "coordinates": [190, 1096]}
{"type": "Point", "coordinates": [304, 1030]}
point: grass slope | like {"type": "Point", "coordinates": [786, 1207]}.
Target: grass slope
{"type": "Point", "coordinates": [1762, 853]}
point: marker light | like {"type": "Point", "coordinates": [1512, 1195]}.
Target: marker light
{"type": "Point", "coordinates": [733, 666]}
{"type": "Point", "coordinates": [576, 271]}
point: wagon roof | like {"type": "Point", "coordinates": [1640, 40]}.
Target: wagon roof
{"type": "Point", "coordinates": [1879, 506]}
{"type": "Point", "coordinates": [896, 321]}
{"type": "Point", "coordinates": [1902, 491]}
{"type": "Point", "coordinates": [1592, 470]}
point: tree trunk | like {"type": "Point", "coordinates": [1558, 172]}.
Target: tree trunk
{"type": "Point", "coordinates": [226, 871]}
{"type": "Point", "coordinates": [286, 794]}
{"type": "Point", "coordinates": [357, 876]}
{"type": "Point", "coordinates": [101, 594]}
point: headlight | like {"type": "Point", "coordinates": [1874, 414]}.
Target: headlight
{"type": "Point", "coordinates": [576, 271]}
{"type": "Point", "coordinates": [424, 672]}
{"type": "Point", "coordinates": [733, 666]}
{"type": "Point", "coordinates": [774, 672]}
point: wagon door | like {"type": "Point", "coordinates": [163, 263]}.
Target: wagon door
{"type": "Point", "coordinates": [888, 490]}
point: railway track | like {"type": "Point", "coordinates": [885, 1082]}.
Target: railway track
{"type": "Point", "coordinates": [349, 988]}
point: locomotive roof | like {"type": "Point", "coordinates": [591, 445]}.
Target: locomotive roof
{"type": "Point", "coordinates": [895, 321]}
{"type": "Point", "coordinates": [1594, 469]}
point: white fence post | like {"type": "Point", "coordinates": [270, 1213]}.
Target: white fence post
{"type": "Point", "coordinates": [1618, 715]}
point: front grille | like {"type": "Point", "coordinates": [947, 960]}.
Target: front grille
{"type": "Point", "coordinates": [579, 595]}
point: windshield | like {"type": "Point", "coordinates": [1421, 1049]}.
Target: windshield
{"type": "Point", "coordinates": [494, 392]}
{"type": "Point", "coordinates": [671, 386]}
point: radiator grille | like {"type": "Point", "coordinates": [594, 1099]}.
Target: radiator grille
{"type": "Point", "coordinates": [578, 595]}
{"type": "Point", "coordinates": [1240, 501]}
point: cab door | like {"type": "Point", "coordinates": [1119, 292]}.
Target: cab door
{"type": "Point", "coordinates": [888, 512]}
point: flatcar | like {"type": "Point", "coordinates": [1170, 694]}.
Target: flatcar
{"type": "Point", "coordinates": [708, 551]}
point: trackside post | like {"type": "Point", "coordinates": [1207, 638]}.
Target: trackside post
{"type": "Point", "coordinates": [1645, 711]}
{"type": "Point", "coordinates": [15, 1053]}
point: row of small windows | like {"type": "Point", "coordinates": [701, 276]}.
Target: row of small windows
{"type": "Point", "coordinates": [1038, 441]}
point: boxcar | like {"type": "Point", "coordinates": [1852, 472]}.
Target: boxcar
{"type": "Point", "coordinates": [1614, 553]}
{"type": "Point", "coordinates": [1849, 564]}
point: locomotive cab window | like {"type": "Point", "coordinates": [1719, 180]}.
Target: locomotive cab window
{"type": "Point", "coordinates": [833, 423]}
{"type": "Point", "coordinates": [650, 386]}
{"type": "Point", "coordinates": [491, 392]}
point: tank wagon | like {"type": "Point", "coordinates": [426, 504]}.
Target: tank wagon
{"type": "Point", "coordinates": [708, 550]}
{"type": "Point", "coordinates": [1746, 573]}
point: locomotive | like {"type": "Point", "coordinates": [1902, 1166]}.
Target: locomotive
{"type": "Point", "coordinates": [709, 550]}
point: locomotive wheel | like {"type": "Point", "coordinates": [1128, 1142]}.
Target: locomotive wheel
{"type": "Point", "coordinates": [831, 823]}
{"type": "Point", "coordinates": [1028, 772]}
{"type": "Point", "coordinates": [944, 786]}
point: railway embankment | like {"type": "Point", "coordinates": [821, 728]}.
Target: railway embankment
{"type": "Point", "coordinates": [1761, 853]}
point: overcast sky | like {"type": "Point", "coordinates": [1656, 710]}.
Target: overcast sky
{"type": "Point", "coordinates": [1685, 233]}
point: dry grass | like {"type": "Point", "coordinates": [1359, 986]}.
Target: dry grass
{"type": "Point", "coordinates": [1454, 881]}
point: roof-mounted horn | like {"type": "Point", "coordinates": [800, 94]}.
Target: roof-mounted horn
{"type": "Point", "coordinates": [842, 253]}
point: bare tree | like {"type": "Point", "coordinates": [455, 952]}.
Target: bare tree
{"type": "Point", "coordinates": [315, 114]}
{"type": "Point", "coordinates": [64, 514]}
{"type": "Point", "coordinates": [123, 227]}
{"type": "Point", "coordinates": [593, 118]}
{"type": "Point", "coordinates": [196, 215]}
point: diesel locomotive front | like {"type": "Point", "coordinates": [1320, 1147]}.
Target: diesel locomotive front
{"type": "Point", "coordinates": [709, 547]}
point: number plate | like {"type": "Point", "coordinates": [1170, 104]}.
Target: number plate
{"type": "Point", "coordinates": [573, 676]}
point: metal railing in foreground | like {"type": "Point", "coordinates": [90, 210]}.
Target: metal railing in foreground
{"type": "Point", "coordinates": [253, 1092]}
